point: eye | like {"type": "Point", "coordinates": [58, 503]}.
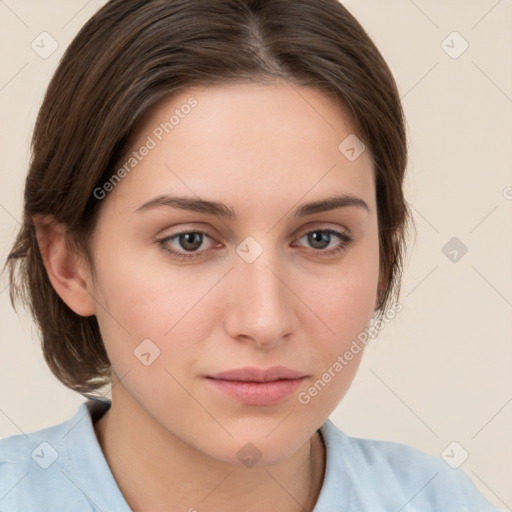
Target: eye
{"type": "Point", "coordinates": [322, 238]}
{"type": "Point", "coordinates": [187, 241]}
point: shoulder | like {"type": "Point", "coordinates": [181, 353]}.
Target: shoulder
{"type": "Point", "coordinates": [36, 469]}
{"type": "Point", "coordinates": [398, 475]}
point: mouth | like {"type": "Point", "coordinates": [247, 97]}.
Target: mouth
{"type": "Point", "coordinates": [253, 386]}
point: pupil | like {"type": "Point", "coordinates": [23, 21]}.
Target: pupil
{"type": "Point", "coordinates": [318, 236]}
{"type": "Point", "coordinates": [190, 241]}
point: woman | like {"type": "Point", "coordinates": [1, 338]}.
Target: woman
{"type": "Point", "coordinates": [213, 215]}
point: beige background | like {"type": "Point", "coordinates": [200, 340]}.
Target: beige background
{"type": "Point", "coordinates": [441, 371]}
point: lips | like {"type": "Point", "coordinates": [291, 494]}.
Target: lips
{"type": "Point", "coordinates": [250, 374]}
{"type": "Point", "coordinates": [253, 386]}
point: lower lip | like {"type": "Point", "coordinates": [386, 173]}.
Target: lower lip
{"type": "Point", "coordinates": [257, 393]}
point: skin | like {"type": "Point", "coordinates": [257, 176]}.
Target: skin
{"type": "Point", "coordinates": [263, 150]}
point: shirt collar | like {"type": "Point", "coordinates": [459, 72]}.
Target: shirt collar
{"type": "Point", "coordinates": [336, 488]}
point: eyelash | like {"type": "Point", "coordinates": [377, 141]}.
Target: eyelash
{"type": "Point", "coordinates": [346, 241]}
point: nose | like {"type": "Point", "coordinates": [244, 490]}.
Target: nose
{"type": "Point", "coordinates": [261, 304]}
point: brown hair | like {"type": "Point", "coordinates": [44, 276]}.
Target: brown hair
{"type": "Point", "coordinates": [131, 54]}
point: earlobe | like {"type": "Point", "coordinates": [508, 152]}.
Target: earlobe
{"type": "Point", "coordinates": [66, 270]}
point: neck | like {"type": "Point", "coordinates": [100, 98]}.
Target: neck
{"type": "Point", "coordinates": [155, 470]}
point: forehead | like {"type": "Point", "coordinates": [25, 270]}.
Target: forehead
{"type": "Point", "coordinates": [245, 141]}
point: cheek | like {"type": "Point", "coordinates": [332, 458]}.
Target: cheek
{"type": "Point", "coordinates": [345, 295]}
{"type": "Point", "coordinates": [137, 283]}
{"type": "Point", "coordinates": [344, 304]}
{"type": "Point", "coordinates": [138, 300]}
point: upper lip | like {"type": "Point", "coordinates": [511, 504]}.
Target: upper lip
{"type": "Point", "coordinates": [250, 374]}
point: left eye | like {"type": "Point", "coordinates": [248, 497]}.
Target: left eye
{"type": "Point", "coordinates": [320, 237]}
{"type": "Point", "coordinates": [191, 241]}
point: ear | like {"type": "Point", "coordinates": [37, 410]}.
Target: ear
{"type": "Point", "coordinates": [67, 270]}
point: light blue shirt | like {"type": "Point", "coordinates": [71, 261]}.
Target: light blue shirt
{"type": "Point", "coordinates": [62, 469]}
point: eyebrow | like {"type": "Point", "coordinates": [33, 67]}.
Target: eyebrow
{"type": "Point", "coordinates": [221, 210]}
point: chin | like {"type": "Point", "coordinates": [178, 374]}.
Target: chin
{"type": "Point", "coordinates": [265, 444]}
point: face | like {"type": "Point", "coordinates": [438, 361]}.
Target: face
{"type": "Point", "coordinates": [185, 294]}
